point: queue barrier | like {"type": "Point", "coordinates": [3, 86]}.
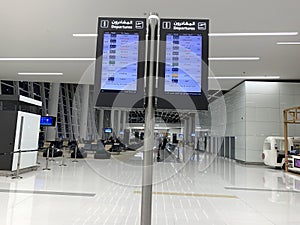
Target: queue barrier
{"type": "Point", "coordinates": [17, 176]}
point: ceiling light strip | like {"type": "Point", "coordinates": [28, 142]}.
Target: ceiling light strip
{"type": "Point", "coordinates": [47, 59]}
{"type": "Point", "coordinates": [288, 43]}
{"type": "Point", "coordinates": [232, 58]}
{"type": "Point", "coordinates": [85, 35]}
{"type": "Point", "coordinates": [252, 34]}
{"type": "Point", "coordinates": [40, 74]}
{"type": "Point", "coordinates": [245, 77]}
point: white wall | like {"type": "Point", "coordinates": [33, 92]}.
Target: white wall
{"type": "Point", "coordinates": [236, 123]}
{"type": "Point", "coordinates": [262, 116]}
{"type": "Point", "coordinates": [255, 111]}
{"type": "Point", "coordinates": [227, 115]}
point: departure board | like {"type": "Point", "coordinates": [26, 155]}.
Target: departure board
{"type": "Point", "coordinates": [120, 62]}
{"type": "Point", "coordinates": [183, 64]}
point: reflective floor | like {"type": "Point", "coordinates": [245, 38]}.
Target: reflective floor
{"type": "Point", "coordinates": [204, 190]}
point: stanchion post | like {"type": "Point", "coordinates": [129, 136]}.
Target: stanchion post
{"type": "Point", "coordinates": [285, 126]}
{"type": "Point", "coordinates": [18, 167]}
{"type": "Point", "coordinates": [47, 160]}
{"type": "Point", "coordinates": [19, 148]}
{"type": "Point", "coordinates": [183, 150]}
{"type": "Point", "coordinates": [52, 153]}
{"type": "Point", "coordinates": [37, 158]}
{"type": "Point", "coordinates": [63, 157]}
{"type": "Point", "coordinates": [75, 154]}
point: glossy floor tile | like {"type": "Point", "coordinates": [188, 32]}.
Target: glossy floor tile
{"type": "Point", "coordinates": [203, 190]}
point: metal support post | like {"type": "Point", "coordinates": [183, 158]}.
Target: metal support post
{"type": "Point", "coordinates": [183, 150]}
{"type": "Point", "coordinates": [63, 157]}
{"type": "Point", "coordinates": [47, 160]}
{"type": "Point", "coordinates": [146, 207]}
{"type": "Point", "coordinates": [52, 153]}
{"type": "Point", "coordinates": [19, 147]}
{"type": "Point", "coordinates": [18, 167]}
{"type": "Point", "coordinates": [37, 158]}
{"type": "Point", "coordinates": [75, 154]}
{"type": "Point", "coordinates": [285, 125]}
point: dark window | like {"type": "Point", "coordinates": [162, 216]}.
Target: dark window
{"type": "Point", "coordinates": [7, 90]}
{"type": "Point", "coordinates": [24, 93]}
{"type": "Point", "coordinates": [47, 85]}
{"type": "Point", "coordinates": [46, 93]}
{"type": "Point", "coordinates": [36, 97]}
{"type": "Point", "coordinates": [24, 85]}
{"type": "Point", "coordinates": [36, 89]}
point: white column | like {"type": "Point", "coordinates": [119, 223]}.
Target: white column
{"type": "Point", "coordinates": [52, 110]}
{"type": "Point", "coordinates": [185, 130]}
{"type": "Point", "coordinates": [84, 111]}
{"type": "Point", "coordinates": [112, 120]}
{"type": "Point", "coordinates": [101, 117]}
{"type": "Point", "coordinates": [119, 123]}
{"type": "Point", "coordinates": [191, 127]}
{"type": "Point", "coordinates": [124, 120]}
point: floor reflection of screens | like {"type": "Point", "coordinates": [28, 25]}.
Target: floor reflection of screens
{"type": "Point", "coordinates": [297, 184]}
{"type": "Point", "coordinates": [183, 64]}
{"type": "Point", "coordinates": [120, 61]}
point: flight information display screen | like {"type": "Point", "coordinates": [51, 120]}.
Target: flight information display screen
{"type": "Point", "coordinates": [183, 65]}
{"type": "Point", "coordinates": [120, 62]}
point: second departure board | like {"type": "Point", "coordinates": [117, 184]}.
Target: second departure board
{"type": "Point", "coordinates": [183, 64]}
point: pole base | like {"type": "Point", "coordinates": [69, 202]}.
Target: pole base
{"type": "Point", "coordinates": [46, 169]}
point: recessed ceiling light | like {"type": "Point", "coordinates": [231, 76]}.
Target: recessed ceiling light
{"type": "Point", "coordinates": [85, 35]}
{"type": "Point", "coordinates": [40, 74]}
{"type": "Point", "coordinates": [252, 34]}
{"type": "Point", "coordinates": [47, 59]}
{"type": "Point", "coordinates": [288, 43]}
{"type": "Point", "coordinates": [245, 77]}
{"type": "Point", "coordinates": [232, 58]}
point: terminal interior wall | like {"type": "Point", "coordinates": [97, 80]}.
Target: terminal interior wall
{"type": "Point", "coordinates": [254, 110]}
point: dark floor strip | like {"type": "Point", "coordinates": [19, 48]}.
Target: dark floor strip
{"type": "Point", "coordinates": [49, 193]}
{"type": "Point", "coordinates": [261, 189]}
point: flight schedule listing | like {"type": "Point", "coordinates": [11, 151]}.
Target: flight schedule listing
{"type": "Point", "coordinates": [120, 62]}
{"type": "Point", "coordinates": [183, 64]}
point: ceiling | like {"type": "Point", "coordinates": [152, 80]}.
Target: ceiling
{"type": "Point", "coordinates": [43, 29]}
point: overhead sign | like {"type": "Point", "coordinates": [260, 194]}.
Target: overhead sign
{"type": "Point", "coordinates": [120, 62]}
{"type": "Point", "coordinates": [183, 64]}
